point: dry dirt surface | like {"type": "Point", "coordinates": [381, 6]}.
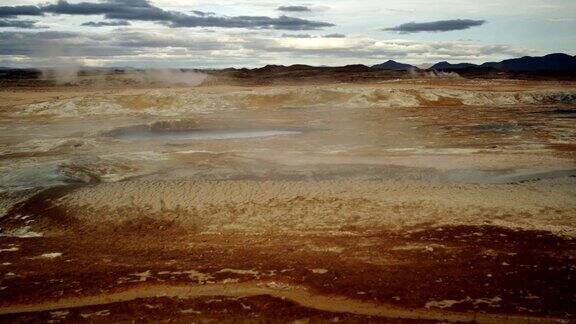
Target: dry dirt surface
{"type": "Point", "coordinates": [415, 200]}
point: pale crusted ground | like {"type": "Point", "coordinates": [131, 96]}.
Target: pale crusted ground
{"type": "Point", "coordinates": [178, 101]}
{"type": "Point", "coordinates": [259, 206]}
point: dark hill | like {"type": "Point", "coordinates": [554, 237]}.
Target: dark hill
{"type": "Point", "coordinates": [393, 65]}
{"type": "Point", "coordinates": [549, 63]}
{"type": "Point", "coordinates": [443, 66]}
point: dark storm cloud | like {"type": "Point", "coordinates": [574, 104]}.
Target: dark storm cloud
{"type": "Point", "coordinates": [294, 9]}
{"type": "Point", "coordinates": [436, 26]}
{"type": "Point", "coordinates": [256, 22]}
{"type": "Point", "coordinates": [202, 13]}
{"type": "Point", "coordinates": [9, 12]}
{"type": "Point", "coordinates": [143, 10]}
{"type": "Point", "coordinates": [112, 9]}
{"type": "Point", "coordinates": [106, 23]}
{"type": "Point", "coordinates": [4, 23]}
{"type": "Point", "coordinates": [82, 8]}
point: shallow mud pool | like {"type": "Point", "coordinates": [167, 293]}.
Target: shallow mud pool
{"type": "Point", "coordinates": [386, 202]}
{"type": "Point", "coordinates": [200, 134]}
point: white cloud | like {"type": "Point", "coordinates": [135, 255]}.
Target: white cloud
{"type": "Point", "coordinates": [510, 33]}
{"type": "Point", "coordinates": [166, 47]}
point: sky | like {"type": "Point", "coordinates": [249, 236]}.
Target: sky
{"type": "Point", "coordinates": [234, 33]}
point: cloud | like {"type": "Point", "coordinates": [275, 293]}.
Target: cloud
{"type": "Point", "coordinates": [297, 36]}
{"type": "Point", "coordinates": [401, 11]}
{"type": "Point", "coordinates": [312, 36]}
{"type": "Point", "coordinates": [294, 9]}
{"type": "Point", "coordinates": [143, 10]}
{"type": "Point", "coordinates": [112, 9]}
{"type": "Point", "coordinates": [363, 49]}
{"type": "Point", "coordinates": [436, 26]}
{"type": "Point", "coordinates": [106, 23]}
{"type": "Point", "coordinates": [10, 12]}
{"type": "Point", "coordinates": [26, 24]}
{"type": "Point", "coordinates": [334, 35]}
{"type": "Point", "coordinates": [162, 48]}
{"type": "Point", "coordinates": [202, 13]}
{"type": "Point", "coordinates": [150, 41]}
{"type": "Point", "coordinates": [58, 44]}
{"type": "Point", "coordinates": [89, 8]}
{"type": "Point", "coordinates": [253, 22]}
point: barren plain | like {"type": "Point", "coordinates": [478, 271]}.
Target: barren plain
{"type": "Point", "coordinates": [395, 200]}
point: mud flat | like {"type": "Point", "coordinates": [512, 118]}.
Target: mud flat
{"type": "Point", "coordinates": [411, 200]}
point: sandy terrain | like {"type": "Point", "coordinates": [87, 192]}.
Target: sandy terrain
{"type": "Point", "coordinates": [430, 200]}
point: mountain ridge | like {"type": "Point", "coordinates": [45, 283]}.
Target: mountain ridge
{"type": "Point", "coordinates": [393, 65]}
{"type": "Point", "coordinates": [556, 62]}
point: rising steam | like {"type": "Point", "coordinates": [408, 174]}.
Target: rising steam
{"type": "Point", "coordinates": [72, 74]}
{"type": "Point", "coordinates": [433, 74]}
{"type": "Point", "coordinates": [167, 77]}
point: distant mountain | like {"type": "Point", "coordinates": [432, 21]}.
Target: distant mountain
{"type": "Point", "coordinates": [352, 68]}
{"type": "Point", "coordinates": [284, 68]}
{"type": "Point", "coordinates": [550, 63]}
{"type": "Point", "coordinates": [448, 66]}
{"type": "Point", "coordinates": [393, 65]}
